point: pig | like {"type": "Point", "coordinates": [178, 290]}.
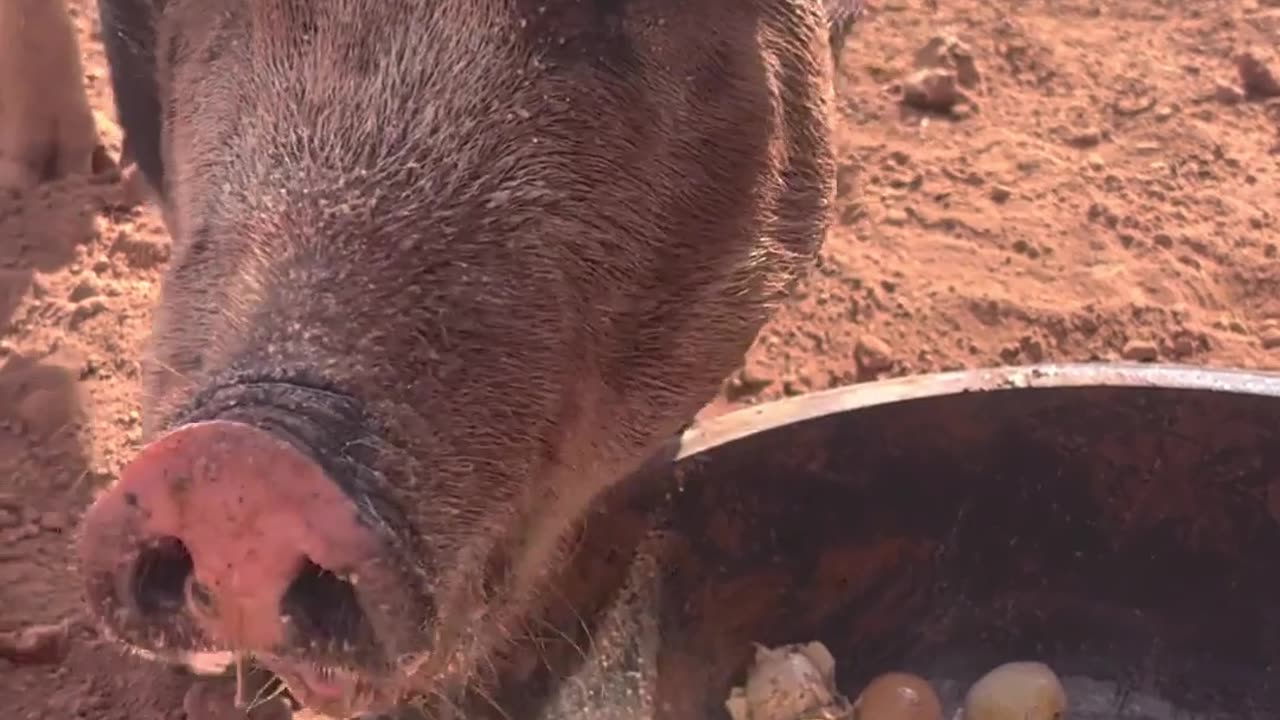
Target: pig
{"type": "Point", "coordinates": [47, 130]}
{"type": "Point", "coordinates": [443, 271]}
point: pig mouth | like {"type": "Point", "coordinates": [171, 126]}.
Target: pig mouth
{"type": "Point", "coordinates": [221, 535]}
{"type": "Point", "coordinates": [333, 691]}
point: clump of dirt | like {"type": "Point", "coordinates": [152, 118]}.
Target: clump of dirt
{"type": "Point", "coordinates": [1019, 182]}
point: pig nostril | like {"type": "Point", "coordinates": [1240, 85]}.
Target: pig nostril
{"type": "Point", "coordinates": [323, 607]}
{"type": "Point", "coordinates": [160, 577]}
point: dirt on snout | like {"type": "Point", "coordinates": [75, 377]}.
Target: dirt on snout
{"type": "Point", "coordinates": [1020, 181]}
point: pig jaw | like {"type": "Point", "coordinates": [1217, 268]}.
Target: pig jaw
{"type": "Point", "coordinates": [312, 579]}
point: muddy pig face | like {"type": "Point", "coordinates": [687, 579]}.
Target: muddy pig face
{"type": "Point", "coordinates": [441, 272]}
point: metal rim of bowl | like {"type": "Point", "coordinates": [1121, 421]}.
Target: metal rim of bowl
{"type": "Point", "coordinates": [745, 422]}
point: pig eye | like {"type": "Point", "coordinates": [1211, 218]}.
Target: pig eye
{"type": "Point", "coordinates": [160, 577]}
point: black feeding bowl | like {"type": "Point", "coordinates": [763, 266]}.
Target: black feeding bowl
{"type": "Point", "coordinates": [1118, 522]}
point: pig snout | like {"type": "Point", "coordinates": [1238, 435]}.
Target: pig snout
{"type": "Point", "coordinates": [221, 535]}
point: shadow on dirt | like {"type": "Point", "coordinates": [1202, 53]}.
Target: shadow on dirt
{"type": "Point", "coordinates": [46, 478]}
{"type": "Point", "coordinates": [39, 233]}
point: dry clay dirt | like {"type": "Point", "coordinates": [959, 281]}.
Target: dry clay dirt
{"type": "Point", "coordinates": [1086, 180]}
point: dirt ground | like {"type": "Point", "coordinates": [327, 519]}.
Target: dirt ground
{"type": "Point", "coordinates": [1102, 183]}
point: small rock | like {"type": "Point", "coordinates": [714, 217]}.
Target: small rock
{"type": "Point", "coordinates": [1139, 351]}
{"type": "Point", "coordinates": [142, 252]}
{"type": "Point", "coordinates": [8, 519]}
{"type": "Point", "coordinates": [1085, 138]}
{"type": "Point", "coordinates": [932, 89]}
{"type": "Point", "coordinates": [1227, 94]}
{"type": "Point", "coordinates": [1255, 77]}
{"type": "Point", "coordinates": [1095, 161]}
{"type": "Point", "coordinates": [1000, 193]}
{"type": "Point", "coordinates": [1022, 247]}
{"type": "Point", "coordinates": [133, 187]}
{"type": "Point", "coordinates": [873, 356]}
{"type": "Point", "coordinates": [1271, 339]}
{"type": "Point", "coordinates": [947, 51]}
{"type": "Point", "coordinates": [86, 310]}
{"type": "Point", "coordinates": [896, 217]}
{"type": "Point", "coordinates": [85, 289]}
{"type": "Point", "coordinates": [1183, 346]}
{"type": "Point", "coordinates": [35, 645]}
{"type": "Point", "coordinates": [745, 383]}
{"type": "Point", "coordinates": [1032, 348]}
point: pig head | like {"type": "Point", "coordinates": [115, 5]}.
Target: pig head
{"type": "Point", "coordinates": [442, 271]}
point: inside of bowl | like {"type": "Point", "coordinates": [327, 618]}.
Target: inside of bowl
{"type": "Point", "coordinates": [1127, 537]}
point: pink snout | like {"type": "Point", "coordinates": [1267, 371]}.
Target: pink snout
{"type": "Point", "coordinates": [223, 535]}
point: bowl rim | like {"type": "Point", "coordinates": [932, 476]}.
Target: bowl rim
{"type": "Point", "coordinates": [738, 424]}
